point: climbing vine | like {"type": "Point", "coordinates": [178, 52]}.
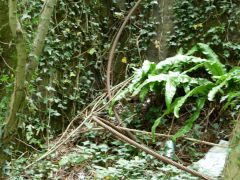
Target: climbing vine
{"type": "Point", "coordinates": [215, 22]}
{"type": "Point", "coordinates": [72, 68]}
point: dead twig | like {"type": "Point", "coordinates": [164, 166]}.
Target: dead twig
{"type": "Point", "coordinates": [7, 64]}
{"type": "Point", "coordinates": [149, 151]}
{"type": "Point", "coordinates": [156, 134]}
{"type": "Point", "coordinates": [28, 145]}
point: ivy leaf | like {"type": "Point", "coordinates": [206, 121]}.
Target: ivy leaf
{"type": "Point", "coordinates": [119, 15]}
{"type": "Point", "coordinates": [157, 44]}
{"type": "Point", "coordinates": [124, 60]}
{"type": "Point", "coordinates": [81, 159]}
{"type": "Point", "coordinates": [63, 161]}
{"type": "Point", "coordinates": [72, 74]}
{"type": "Point", "coordinates": [49, 88]}
{"type": "Point", "coordinates": [91, 51]}
{"type": "Point", "coordinates": [68, 30]}
{"type": "Point", "coordinates": [25, 16]}
{"type": "Point", "coordinates": [4, 78]}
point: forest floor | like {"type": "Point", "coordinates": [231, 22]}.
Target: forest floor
{"type": "Point", "coordinates": [96, 154]}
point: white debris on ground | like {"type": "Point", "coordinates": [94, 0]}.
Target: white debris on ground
{"type": "Point", "coordinates": [213, 162]}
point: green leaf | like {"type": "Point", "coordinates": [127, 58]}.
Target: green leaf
{"type": "Point", "coordinates": [192, 51]}
{"type": "Point", "coordinates": [180, 51]}
{"type": "Point", "coordinates": [205, 49]}
{"type": "Point", "coordinates": [156, 78]}
{"type": "Point", "coordinates": [214, 65]}
{"type": "Point", "coordinates": [170, 90]}
{"type": "Point", "coordinates": [143, 93]}
{"type": "Point", "coordinates": [202, 90]}
{"type": "Point", "coordinates": [49, 88]}
{"type": "Point", "coordinates": [4, 78]}
{"type": "Point", "coordinates": [231, 95]}
{"type": "Point", "coordinates": [91, 51]}
{"type": "Point", "coordinates": [187, 127]}
{"type": "Point", "coordinates": [215, 90]}
{"type": "Point", "coordinates": [81, 159]}
{"type": "Point", "coordinates": [119, 96]}
{"type": "Point", "coordinates": [147, 68]}
{"type": "Point", "coordinates": [194, 68]}
{"type": "Point", "coordinates": [63, 161]}
{"type": "Point", "coordinates": [177, 61]}
{"type": "Point", "coordinates": [156, 123]}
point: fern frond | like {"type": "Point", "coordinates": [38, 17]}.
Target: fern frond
{"type": "Point", "coordinates": [216, 89]}
{"type": "Point", "coordinates": [216, 67]}
{"type": "Point", "coordinates": [192, 51]}
{"type": "Point", "coordinates": [202, 90]}
{"type": "Point", "coordinates": [189, 123]}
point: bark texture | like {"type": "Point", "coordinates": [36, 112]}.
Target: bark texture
{"type": "Point", "coordinates": [11, 123]}
{"type": "Point", "coordinates": [40, 37]}
{"type": "Point", "coordinates": [18, 93]}
{"type": "Point", "coordinates": [163, 13]}
{"type": "Point", "coordinates": [232, 168]}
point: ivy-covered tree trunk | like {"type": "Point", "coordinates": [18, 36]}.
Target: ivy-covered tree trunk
{"type": "Point", "coordinates": [232, 168]}
{"type": "Point", "coordinates": [42, 31]}
{"type": "Point", "coordinates": [10, 125]}
{"type": "Point", "coordinates": [18, 93]}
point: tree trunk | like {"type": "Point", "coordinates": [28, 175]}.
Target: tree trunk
{"type": "Point", "coordinates": [9, 127]}
{"type": "Point", "coordinates": [18, 93]}
{"type": "Point", "coordinates": [163, 13]}
{"type": "Point", "coordinates": [40, 37]}
{"type": "Point", "coordinates": [232, 167]}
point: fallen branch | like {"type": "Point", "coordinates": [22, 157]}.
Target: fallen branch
{"type": "Point", "coordinates": [157, 134]}
{"type": "Point", "coordinates": [5, 62]}
{"type": "Point", "coordinates": [28, 145]}
{"type": "Point", "coordinates": [56, 146]}
{"type": "Point", "coordinates": [150, 151]}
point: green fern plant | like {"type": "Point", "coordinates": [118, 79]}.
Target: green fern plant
{"type": "Point", "coordinates": [171, 74]}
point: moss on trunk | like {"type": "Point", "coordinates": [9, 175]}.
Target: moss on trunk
{"type": "Point", "coordinates": [232, 168]}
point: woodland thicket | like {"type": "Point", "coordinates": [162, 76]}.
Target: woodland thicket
{"type": "Point", "coordinates": [165, 71]}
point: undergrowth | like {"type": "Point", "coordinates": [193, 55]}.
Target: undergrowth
{"type": "Point", "coordinates": [107, 159]}
{"type": "Point", "coordinates": [172, 74]}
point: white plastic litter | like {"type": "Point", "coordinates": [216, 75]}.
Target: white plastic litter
{"type": "Point", "coordinates": [213, 162]}
{"type": "Point", "coordinates": [169, 148]}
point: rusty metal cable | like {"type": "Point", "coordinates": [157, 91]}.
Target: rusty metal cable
{"type": "Point", "coordinates": [109, 67]}
{"type": "Point", "coordinates": [149, 151]}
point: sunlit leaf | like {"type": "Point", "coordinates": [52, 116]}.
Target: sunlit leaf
{"type": "Point", "coordinates": [72, 74]}
{"type": "Point", "coordinates": [91, 51]}
{"type": "Point", "coordinates": [124, 60]}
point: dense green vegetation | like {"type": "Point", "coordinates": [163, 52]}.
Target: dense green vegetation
{"type": "Point", "coordinates": [191, 89]}
{"type": "Point", "coordinates": [169, 76]}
